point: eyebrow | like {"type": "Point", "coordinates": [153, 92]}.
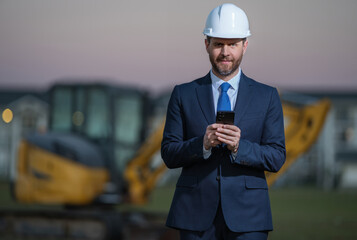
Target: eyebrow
{"type": "Point", "coordinates": [228, 43]}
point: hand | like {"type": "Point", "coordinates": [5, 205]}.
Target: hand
{"type": "Point", "coordinates": [210, 138]}
{"type": "Point", "coordinates": [230, 135]}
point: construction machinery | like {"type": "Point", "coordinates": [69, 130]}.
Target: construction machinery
{"type": "Point", "coordinates": [94, 130]}
{"type": "Point", "coordinates": [303, 123]}
{"type": "Point", "coordinates": [97, 154]}
{"type": "Point", "coordinates": [79, 166]}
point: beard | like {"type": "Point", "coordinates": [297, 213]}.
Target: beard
{"type": "Point", "coordinates": [222, 70]}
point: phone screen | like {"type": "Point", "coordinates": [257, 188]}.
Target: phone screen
{"type": "Point", "coordinates": [225, 117]}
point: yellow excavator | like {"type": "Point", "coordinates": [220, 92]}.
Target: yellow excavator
{"type": "Point", "coordinates": [78, 167]}
{"type": "Point", "coordinates": [98, 152]}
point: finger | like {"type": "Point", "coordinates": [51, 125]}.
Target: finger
{"type": "Point", "coordinates": [212, 136]}
{"type": "Point", "coordinates": [226, 137]}
{"type": "Point", "coordinates": [226, 141]}
{"type": "Point", "coordinates": [229, 140]}
{"type": "Point", "coordinates": [228, 132]}
{"type": "Point", "coordinates": [225, 131]}
{"type": "Point", "coordinates": [231, 127]}
{"type": "Point", "coordinates": [215, 143]}
{"type": "Point", "coordinates": [214, 126]}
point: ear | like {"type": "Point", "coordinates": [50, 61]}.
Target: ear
{"type": "Point", "coordinates": [245, 45]}
{"type": "Point", "coordinates": [207, 44]}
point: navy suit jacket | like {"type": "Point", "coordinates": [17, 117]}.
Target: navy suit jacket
{"type": "Point", "coordinates": [238, 183]}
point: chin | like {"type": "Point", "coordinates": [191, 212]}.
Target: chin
{"type": "Point", "coordinates": [224, 72]}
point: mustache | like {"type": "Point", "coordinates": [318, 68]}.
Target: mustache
{"type": "Point", "coordinates": [219, 59]}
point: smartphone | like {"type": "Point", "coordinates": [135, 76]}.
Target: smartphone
{"type": "Point", "coordinates": [225, 117]}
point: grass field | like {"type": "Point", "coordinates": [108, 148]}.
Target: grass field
{"type": "Point", "coordinates": [298, 214]}
{"type": "Point", "coordinates": [301, 214]}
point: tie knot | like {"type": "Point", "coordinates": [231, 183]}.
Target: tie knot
{"type": "Point", "coordinates": [225, 86]}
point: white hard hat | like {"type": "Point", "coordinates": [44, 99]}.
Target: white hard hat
{"type": "Point", "coordinates": [227, 21]}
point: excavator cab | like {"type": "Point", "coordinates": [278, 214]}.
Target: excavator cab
{"type": "Point", "coordinates": [94, 130]}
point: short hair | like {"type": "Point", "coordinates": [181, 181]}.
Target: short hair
{"type": "Point", "coordinates": [208, 38]}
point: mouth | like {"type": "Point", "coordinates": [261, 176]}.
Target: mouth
{"type": "Point", "coordinates": [222, 60]}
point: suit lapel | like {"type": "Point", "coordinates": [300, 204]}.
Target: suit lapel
{"type": "Point", "coordinates": [244, 96]}
{"type": "Point", "coordinates": [205, 99]}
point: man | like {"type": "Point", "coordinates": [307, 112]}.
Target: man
{"type": "Point", "coordinates": [222, 192]}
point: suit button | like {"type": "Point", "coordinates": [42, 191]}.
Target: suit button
{"type": "Point", "coordinates": [218, 178]}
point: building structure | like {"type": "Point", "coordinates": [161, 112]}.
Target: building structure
{"type": "Point", "coordinates": [22, 112]}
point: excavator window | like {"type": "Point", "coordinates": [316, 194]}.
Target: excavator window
{"type": "Point", "coordinates": [128, 110]}
{"type": "Point", "coordinates": [61, 110]}
{"type": "Point", "coordinates": [81, 109]}
{"type": "Point", "coordinates": [97, 120]}
{"type": "Point", "coordinates": [114, 118]}
{"type": "Point", "coordinates": [78, 117]}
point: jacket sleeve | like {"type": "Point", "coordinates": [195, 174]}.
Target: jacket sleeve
{"type": "Point", "coordinates": [175, 150]}
{"type": "Point", "coordinates": [270, 153]}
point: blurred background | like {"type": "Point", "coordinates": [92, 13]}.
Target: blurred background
{"type": "Point", "coordinates": [86, 84]}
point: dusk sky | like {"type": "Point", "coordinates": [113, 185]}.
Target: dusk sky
{"type": "Point", "coordinates": [295, 45]}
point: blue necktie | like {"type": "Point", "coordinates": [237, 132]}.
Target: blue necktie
{"type": "Point", "coordinates": [223, 101]}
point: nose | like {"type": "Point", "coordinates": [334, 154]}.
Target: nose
{"type": "Point", "coordinates": [224, 50]}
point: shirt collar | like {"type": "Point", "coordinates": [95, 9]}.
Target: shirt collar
{"type": "Point", "coordinates": [234, 82]}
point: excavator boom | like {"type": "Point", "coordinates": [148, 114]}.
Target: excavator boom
{"type": "Point", "coordinates": [302, 128]}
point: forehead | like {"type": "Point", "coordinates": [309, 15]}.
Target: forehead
{"type": "Point", "coordinates": [226, 40]}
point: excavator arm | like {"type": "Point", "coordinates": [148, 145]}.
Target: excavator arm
{"type": "Point", "coordinates": [302, 128]}
{"type": "Point", "coordinates": [139, 173]}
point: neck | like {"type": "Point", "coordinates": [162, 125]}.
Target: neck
{"type": "Point", "coordinates": [227, 77]}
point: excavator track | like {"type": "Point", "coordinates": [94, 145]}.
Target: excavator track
{"type": "Point", "coordinates": [83, 225]}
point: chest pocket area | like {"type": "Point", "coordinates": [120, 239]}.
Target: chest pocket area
{"type": "Point", "coordinates": [252, 116]}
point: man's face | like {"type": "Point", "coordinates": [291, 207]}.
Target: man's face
{"type": "Point", "coordinates": [225, 55]}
